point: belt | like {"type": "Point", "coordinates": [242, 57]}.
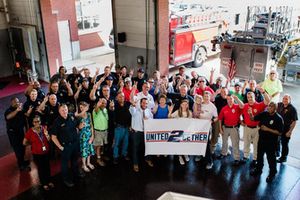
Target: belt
{"type": "Point", "coordinates": [235, 126]}
{"type": "Point", "coordinates": [122, 126]}
{"type": "Point", "coordinates": [100, 130]}
{"type": "Point", "coordinates": [251, 126]}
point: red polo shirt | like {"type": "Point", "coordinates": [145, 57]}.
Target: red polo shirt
{"type": "Point", "coordinates": [201, 91]}
{"type": "Point", "coordinates": [127, 93]}
{"type": "Point", "coordinates": [230, 115]}
{"type": "Point", "coordinates": [256, 109]}
{"type": "Point", "coordinates": [36, 144]}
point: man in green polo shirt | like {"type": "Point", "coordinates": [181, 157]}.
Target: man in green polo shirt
{"type": "Point", "coordinates": [100, 119]}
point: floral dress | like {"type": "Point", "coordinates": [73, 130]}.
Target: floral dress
{"type": "Point", "coordinates": [86, 149]}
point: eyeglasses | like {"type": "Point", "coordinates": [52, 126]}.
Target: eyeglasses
{"type": "Point", "coordinates": [36, 121]}
{"type": "Point", "coordinates": [201, 81]}
{"type": "Point", "coordinates": [105, 90]}
{"type": "Point", "coordinates": [150, 81]}
{"type": "Point", "coordinates": [272, 73]}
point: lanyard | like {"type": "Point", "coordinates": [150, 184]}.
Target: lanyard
{"type": "Point", "coordinates": [40, 135]}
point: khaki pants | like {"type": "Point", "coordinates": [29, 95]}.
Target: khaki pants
{"type": "Point", "coordinates": [250, 135]}
{"type": "Point", "coordinates": [235, 140]}
{"type": "Point", "coordinates": [214, 136]}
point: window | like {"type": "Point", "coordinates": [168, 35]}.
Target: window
{"type": "Point", "coordinates": [88, 17]}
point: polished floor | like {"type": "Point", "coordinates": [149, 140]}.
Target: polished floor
{"type": "Point", "coordinates": [224, 181]}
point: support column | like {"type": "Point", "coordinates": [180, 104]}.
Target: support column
{"type": "Point", "coordinates": [163, 36]}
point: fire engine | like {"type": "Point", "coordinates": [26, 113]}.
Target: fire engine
{"type": "Point", "coordinates": [251, 53]}
{"type": "Point", "coordinates": [191, 34]}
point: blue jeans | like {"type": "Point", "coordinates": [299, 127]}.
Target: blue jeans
{"type": "Point", "coordinates": [121, 135]}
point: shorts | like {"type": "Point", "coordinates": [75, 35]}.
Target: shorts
{"type": "Point", "coordinates": [100, 138]}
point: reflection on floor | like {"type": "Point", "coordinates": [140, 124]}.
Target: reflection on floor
{"type": "Point", "coordinates": [224, 181]}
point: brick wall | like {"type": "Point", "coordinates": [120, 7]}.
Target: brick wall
{"type": "Point", "coordinates": [67, 11]}
{"type": "Point", "coordinates": [51, 35]}
{"type": "Point", "coordinates": [163, 36]}
{"type": "Point", "coordinates": [91, 40]}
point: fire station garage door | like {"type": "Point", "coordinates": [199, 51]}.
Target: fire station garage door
{"type": "Point", "coordinates": [65, 40]}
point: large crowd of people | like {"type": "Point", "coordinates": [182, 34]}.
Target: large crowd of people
{"type": "Point", "coordinates": [102, 117]}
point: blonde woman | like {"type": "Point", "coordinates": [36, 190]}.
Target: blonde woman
{"type": "Point", "coordinates": [182, 112]}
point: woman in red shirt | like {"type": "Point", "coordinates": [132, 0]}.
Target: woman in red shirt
{"type": "Point", "coordinates": [38, 138]}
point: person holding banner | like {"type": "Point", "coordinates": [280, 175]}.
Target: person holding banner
{"type": "Point", "coordinates": [139, 113]}
{"type": "Point", "coordinates": [182, 112]}
{"type": "Point", "coordinates": [229, 118]}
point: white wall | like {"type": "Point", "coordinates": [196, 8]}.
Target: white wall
{"type": "Point", "coordinates": [131, 19]}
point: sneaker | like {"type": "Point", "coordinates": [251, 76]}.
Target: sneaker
{"type": "Point", "coordinates": [255, 172]}
{"type": "Point", "coordinates": [181, 161]}
{"type": "Point", "coordinates": [209, 165]}
{"type": "Point", "coordinates": [69, 183]}
{"type": "Point", "coordinates": [187, 158]}
{"type": "Point", "coordinates": [281, 160]}
{"type": "Point", "coordinates": [101, 163]}
{"type": "Point", "coordinates": [253, 163]}
{"type": "Point", "coordinates": [197, 158]}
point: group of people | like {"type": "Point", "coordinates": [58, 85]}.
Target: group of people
{"type": "Point", "coordinates": [104, 115]}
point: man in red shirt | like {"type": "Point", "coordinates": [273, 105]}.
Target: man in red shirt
{"type": "Point", "coordinates": [127, 88]}
{"type": "Point", "coordinates": [229, 118]}
{"type": "Point", "coordinates": [251, 127]}
{"type": "Point", "coordinates": [201, 87]}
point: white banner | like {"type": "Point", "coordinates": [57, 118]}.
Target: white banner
{"type": "Point", "coordinates": [180, 136]}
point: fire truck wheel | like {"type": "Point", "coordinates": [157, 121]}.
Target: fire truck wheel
{"type": "Point", "coordinates": [199, 57]}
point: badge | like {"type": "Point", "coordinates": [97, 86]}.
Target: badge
{"type": "Point", "coordinates": [271, 122]}
{"type": "Point", "coordinates": [63, 125]}
{"type": "Point", "coordinates": [255, 110]}
{"type": "Point", "coordinates": [233, 110]}
{"type": "Point", "coordinates": [44, 148]}
{"type": "Point", "coordinates": [61, 94]}
{"type": "Point", "coordinates": [72, 118]}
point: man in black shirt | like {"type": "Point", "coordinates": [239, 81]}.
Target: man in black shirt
{"type": "Point", "coordinates": [65, 137]}
{"type": "Point", "coordinates": [289, 115]}
{"type": "Point", "coordinates": [122, 121]}
{"type": "Point", "coordinates": [253, 88]}
{"type": "Point", "coordinates": [271, 126]}
{"type": "Point", "coordinates": [15, 123]}
{"type": "Point", "coordinates": [140, 79]}
{"type": "Point", "coordinates": [83, 92]}
{"type": "Point", "coordinates": [178, 97]}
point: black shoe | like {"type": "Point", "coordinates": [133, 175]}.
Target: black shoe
{"type": "Point", "coordinates": [253, 163]}
{"type": "Point", "coordinates": [69, 183]}
{"type": "Point", "coordinates": [25, 168]}
{"type": "Point", "coordinates": [270, 178]}
{"type": "Point", "coordinates": [236, 163]}
{"type": "Point", "coordinates": [244, 160]}
{"type": "Point", "coordinates": [281, 160]}
{"type": "Point", "coordinates": [80, 174]}
{"type": "Point", "coordinates": [221, 156]}
{"type": "Point", "coordinates": [277, 154]}
{"type": "Point", "coordinates": [255, 172]}
{"type": "Point", "coordinates": [115, 161]}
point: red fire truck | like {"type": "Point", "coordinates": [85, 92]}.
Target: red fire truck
{"type": "Point", "coordinates": [191, 35]}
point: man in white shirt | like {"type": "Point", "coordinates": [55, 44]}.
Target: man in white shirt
{"type": "Point", "coordinates": [139, 112]}
{"type": "Point", "coordinates": [143, 94]}
{"type": "Point", "coordinates": [208, 111]}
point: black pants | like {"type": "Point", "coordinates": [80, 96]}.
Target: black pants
{"type": "Point", "coordinates": [16, 141]}
{"type": "Point", "coordinates": [268, 147]}
{"type": "Point", "coordinates": [208, 156]}
{"type": "Point", "coordinates": [138, 146]}
{"type": "Point", "coordinates": [284, 146]}
{"type": "Point", "coordinates": [43, 167]}
{"type": "Point", "coordinates": [69, 154]}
